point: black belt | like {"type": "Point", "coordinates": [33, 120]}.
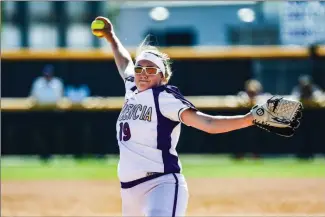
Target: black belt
{"type": "Point", "coordinates": [149, 176]}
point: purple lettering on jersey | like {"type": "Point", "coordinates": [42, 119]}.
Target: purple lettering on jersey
{"type": "Point", "coordinates": [148, 114]}
{"type": "Point", "coordinates": [123, 113]}
{"type": "Point", "coordinates": [165, 128]}
{"type": "Point", "coordinates": [135, 110]}
{"type": "Point", "coordinates": [143, 112]}
{"type": "Point", "coordinates": [126, 113]}
{"type": "Point", "coordinates": [131, 111]}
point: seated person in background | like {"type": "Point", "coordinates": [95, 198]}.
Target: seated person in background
{"type": "Point", "coordinates": [253, 92]}
{"type": "Point", "coordinates": [306, 89]}
{"type": "Point", "coordinates": [47, 89]}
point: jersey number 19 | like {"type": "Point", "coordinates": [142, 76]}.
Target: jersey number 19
{"type": "Point", "coordinates": [125, 132]}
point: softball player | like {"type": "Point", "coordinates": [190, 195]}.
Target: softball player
{"type": "Point", "coordinates": [148, 130]}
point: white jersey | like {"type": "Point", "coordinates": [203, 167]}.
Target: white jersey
{"type": "Point", "coordinates": [148, 130]}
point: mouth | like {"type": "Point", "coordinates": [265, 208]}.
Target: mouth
{"type": "Point", "coordinates": [143, 81]}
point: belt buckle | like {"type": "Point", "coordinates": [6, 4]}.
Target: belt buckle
{"type": "Point", "coordinates": [151, 173]}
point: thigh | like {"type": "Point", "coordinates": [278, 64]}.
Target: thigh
{"type": "Point", "coordinates": [167, 199]}
{"type": "Point", "coordinates": [131, 205]}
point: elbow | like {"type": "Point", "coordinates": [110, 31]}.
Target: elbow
{"type": "Point", "coordinates": [210, 127]}
{"type": "Point", "coordinates": [210, 130]}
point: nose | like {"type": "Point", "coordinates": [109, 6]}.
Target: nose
{"type": "Point", "coordinates": [143, 73]}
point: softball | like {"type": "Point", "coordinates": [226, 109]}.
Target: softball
{"type": "Point", "coordinates": [97, 25]}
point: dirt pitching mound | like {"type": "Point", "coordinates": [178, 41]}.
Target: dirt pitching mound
{"type": "Point", "coordinates": [208, 197]}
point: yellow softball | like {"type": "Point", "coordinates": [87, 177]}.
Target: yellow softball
{"type": "Point", "coordinates": [97, 25]}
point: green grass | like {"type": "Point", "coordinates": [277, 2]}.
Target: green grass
{"type": "Point", "coordinates": [194, 166]}
{"type": "Point", "coordinates": [58, 169]}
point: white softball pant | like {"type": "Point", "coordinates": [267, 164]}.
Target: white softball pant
{"type": "Point", "coordinates": [165, 195]}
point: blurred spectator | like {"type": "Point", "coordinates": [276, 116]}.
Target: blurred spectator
{"type": "Point", "coordinates": [77, 94]}
{"type": "Point", "coordinates": [253, 94]}
{"type": "Point", "coordinates": [306, 89]}
{"type": "Point", "coordinates": [47, 89]}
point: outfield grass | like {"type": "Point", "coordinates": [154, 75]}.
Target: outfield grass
{"type": "Point", "coordinates": [197, 166]}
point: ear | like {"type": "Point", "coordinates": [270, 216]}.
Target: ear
{"type": "Point", "coordinates": [164, 80]}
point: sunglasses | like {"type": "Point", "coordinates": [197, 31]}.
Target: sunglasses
{"type": "Point", "coordinates": [147, 70]}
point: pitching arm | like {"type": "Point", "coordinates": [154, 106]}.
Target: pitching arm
{"type": "Point", "coordinates": [122, 57]}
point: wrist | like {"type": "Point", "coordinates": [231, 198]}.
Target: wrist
{"type": "Point", "coordinates": [109, 36]}
{"type": "Point", "coordinates": [249, 118]}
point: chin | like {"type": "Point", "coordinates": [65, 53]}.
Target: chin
{"type": "Point", "coordinates": [142, 87]}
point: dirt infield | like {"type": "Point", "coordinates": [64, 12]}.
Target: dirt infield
{"type": "Point", "coordinates": [208, 197]}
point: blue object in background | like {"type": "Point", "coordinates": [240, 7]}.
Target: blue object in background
{"type": "Point", "coordinates": [77, 94]}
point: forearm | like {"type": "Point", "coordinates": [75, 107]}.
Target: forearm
{"type": "Point", "coordinates": [121, 55]}
{"type": "Point", "coordinates": [215, 124]}
{"type": "Point", "coordinates": [223, 124]}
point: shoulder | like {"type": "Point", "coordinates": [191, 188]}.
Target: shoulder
{"type": "Point", "coordinates": [173, 91]}
{"type": "Point", "coordinates": [168, 90]}
{"type": "Point", "coordinates": [57, 81]}
{"type": "Point", "coordinates": [169, 94]}
{"type": "Point", "coordinates": [38, 80]}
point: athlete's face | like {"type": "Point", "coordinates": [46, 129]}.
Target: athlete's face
{"type": "Point", "coordinates": [147, 80]}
